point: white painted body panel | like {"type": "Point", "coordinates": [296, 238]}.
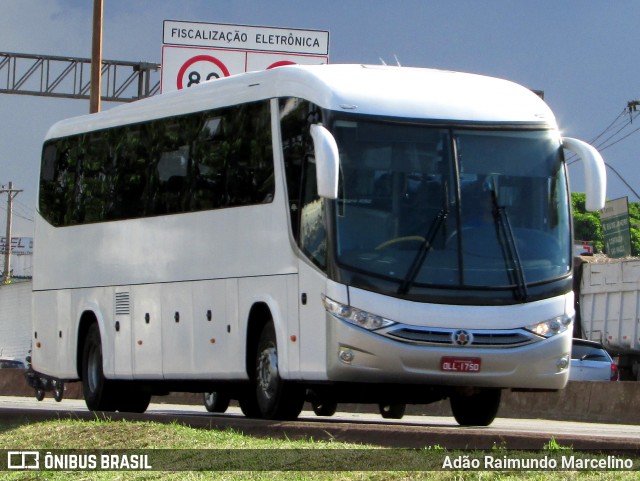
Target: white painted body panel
{"type": "Point", "coordinates": [372, 90]}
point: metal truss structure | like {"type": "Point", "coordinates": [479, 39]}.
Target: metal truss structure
{"type": "Point", "coordinates": [68, 77]}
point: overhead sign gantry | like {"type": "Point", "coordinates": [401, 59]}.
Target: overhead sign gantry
{"type": "Point", "coordinates": [69, 77]}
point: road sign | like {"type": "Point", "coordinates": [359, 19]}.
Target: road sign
{"type": "Point", "coordinates": [246, 37]}
{"type": "Point", "coordinates": [615, 227]}
{"type": "Point", "coordinates": [196, 52]}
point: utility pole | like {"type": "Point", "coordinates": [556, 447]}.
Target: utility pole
{"type": "Point", "coordinates": [96, 58]}
{"type": "Point", "coordinates": [11, 194]}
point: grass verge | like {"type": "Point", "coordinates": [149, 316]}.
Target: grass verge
{"type": "Point", "coordinates": [177, 452]}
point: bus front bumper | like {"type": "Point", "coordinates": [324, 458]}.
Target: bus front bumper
{"type": "Point", "coordinates": [358, 355]}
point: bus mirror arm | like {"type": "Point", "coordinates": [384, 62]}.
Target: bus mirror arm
{"type": "Point", "coordinates": [327, 161]}
{"type": "Point", "coordinates": [594, 172]}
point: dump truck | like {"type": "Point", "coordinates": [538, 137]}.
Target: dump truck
{"type": "Point", "coordinates": [608, 300]}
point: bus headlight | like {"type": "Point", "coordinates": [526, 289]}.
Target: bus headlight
{"type": "Point", "coordinates": [355, 316]}
{"type": "Point", "coordinates": [551, 327]}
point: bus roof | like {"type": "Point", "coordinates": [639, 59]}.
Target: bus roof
{"type": "Point", "coordinates": [364, 89]}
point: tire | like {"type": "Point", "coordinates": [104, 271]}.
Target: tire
{"type": "Point", "coordinates": [132, 400]}
{"type": "Point", "coordinates": [276, 398]}
{"type": "Point", "coordinates": [215, 402]}
{"type": "Point", "coordinates": [477, 409]}
{"type": "Point", "coordinates": [392, 411]}
{"type": "Point", "coordinates": [58, 390]}
{"type": "Point", "coordinates": [324, 409]}
{"type": "Point", "coordinates": [249, 403]}
{"type": "Point", "coordinates": [321, 406]}
{"type": "Point", "coordinates": [39, 394]}
{"type": "Point", "coordinates": [99, 392]}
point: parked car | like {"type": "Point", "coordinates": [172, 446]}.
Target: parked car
{"type": "Point", "coordinates": [590, 362]}
{"type": "Point", "coordinates": [12, 364]}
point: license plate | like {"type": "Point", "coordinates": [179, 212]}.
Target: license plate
{"type": "Point", "coordinates": [460, 364]}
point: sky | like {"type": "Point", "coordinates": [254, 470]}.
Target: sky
{"type": "Point", "coordinates": [582, 53]}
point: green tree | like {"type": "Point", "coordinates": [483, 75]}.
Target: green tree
{"type": "Point", "coordinates": [586, 225]}
{"type": "Point", "coordinates": [634, 221]}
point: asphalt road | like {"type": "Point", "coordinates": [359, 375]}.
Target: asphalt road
{"type": "Point", "coordinates": [410, 432]}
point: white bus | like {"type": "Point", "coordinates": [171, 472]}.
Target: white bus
{"type": "Point", "coordinates": [335, 233]}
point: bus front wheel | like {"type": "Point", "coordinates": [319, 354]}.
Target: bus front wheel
{"type": "Point", "coordinates": [277, 398]}
{"type": "Point", "coordinates": [477, 407]}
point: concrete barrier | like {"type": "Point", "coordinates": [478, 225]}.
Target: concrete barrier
{"type": "Point", "coordinates": [602, 402]}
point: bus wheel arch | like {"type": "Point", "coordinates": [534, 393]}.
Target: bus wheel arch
{"type": "Point", "coordinates": [268, 396]}
{"type": "Point", "coordinates": [259, 316]}
{"type": "Point", "coordinates": [99, 392]}
{"type": "Point", "coordinates": [87, 319]}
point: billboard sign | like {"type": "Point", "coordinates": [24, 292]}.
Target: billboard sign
{"type": "Point", "coordinates": [19, 245]}
{"type": "Point", "coordinates": [194, 52]}
{"type": "Point", "coordinates": [615, 228]}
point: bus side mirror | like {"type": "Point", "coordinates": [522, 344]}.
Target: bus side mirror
{"type": "Point", "coordinates": [594, 172]}
{"type": "Point", "coordinates": [327, 161]}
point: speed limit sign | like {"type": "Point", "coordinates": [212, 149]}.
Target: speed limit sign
{"type": "Point", "coordinates": [200, 69]}
{"type": "Point", "coordinates": [185, 66]}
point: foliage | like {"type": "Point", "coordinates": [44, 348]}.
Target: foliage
{"type": "Point", "coordinates": [587, 225]}
{"type": "Point", "coordinates": [634, 220]}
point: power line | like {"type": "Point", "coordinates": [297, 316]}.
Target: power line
{"type": "Point", "coordinates": [620, 139]}
{"type": "Point", "coordinates": [620, 115]}
{"type": "Point", "coordinates": [622, 179]}
{"type": "Point", "coordinates": [20, 211]}
{"type": "Point", "coordinates": [602, 145]}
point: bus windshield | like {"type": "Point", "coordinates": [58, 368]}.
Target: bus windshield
{"type": "Point", "coordinates": [427, 206]}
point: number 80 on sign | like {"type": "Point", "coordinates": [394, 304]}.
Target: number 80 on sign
{"type": "Point", "coordinates": [200, 69]}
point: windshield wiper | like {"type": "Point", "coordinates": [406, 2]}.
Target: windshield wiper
{"type": "Point", "coordinates": [423, 251]}
{"type": "Point", "coordinates": [509, 247]}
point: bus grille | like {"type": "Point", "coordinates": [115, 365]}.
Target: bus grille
{"type": "Point", "coordinates": [478, 338]}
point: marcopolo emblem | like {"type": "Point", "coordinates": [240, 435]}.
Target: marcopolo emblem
{"type": "Point", "coordinates": [462, 337]}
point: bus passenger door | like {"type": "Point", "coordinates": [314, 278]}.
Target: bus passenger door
{"type": "Point", "coordinates": [312, 241]}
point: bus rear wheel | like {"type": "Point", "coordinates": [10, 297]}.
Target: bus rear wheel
{"type": "Point", "coordinates": [276, 398]}
{"type": "Point", "coordinates": [215, 402]}
{"type": "Point", "coordinates": [98, 391]}
{"type": "Point", "coordinates": [392, 411]}
{"type": "Point", "coordinates": [132, 400]}
{"type": "Point", "coordinates": [478, 407]}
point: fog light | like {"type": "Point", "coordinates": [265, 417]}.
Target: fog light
{"type": "Point", "coordinates": [563, 363]}
{"type": "Point", "coordinates": [345, 355]}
